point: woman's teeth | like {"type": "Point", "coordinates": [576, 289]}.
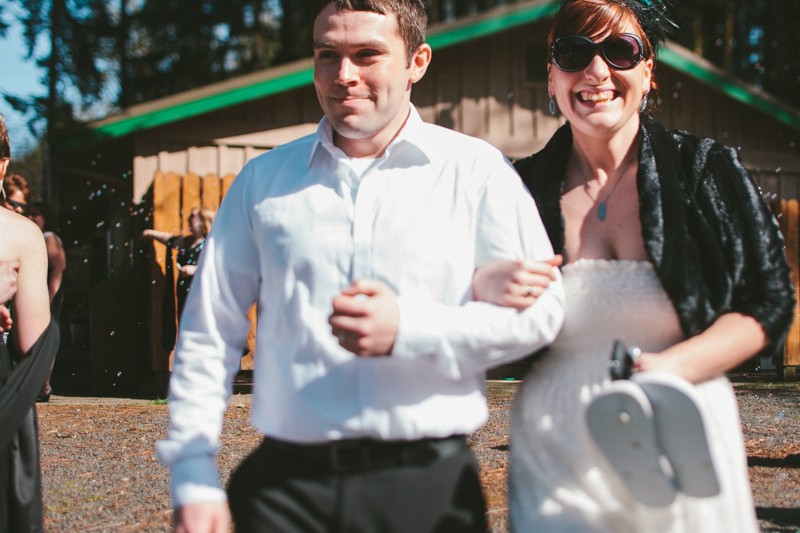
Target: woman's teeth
{"type": "Point", "coordinates": [604, 96]}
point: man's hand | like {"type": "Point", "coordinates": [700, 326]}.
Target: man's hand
{"type": "Point", "coordinates": [8, 279]}
{"type": "Point", "coordinates": [203, 517]}
{"type": "Point", "coordinates": [365, 318]}
{"type": "Point", "coordinates": [514, 284]}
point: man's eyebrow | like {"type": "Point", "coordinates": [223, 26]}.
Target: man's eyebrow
{"type": "Point", "coordinates": [322, 44]}
{"type": "Point", "coordinates": [377, 44]}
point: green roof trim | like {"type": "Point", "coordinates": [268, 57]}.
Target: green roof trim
{"type": "Point", "coordinates": [206, 104]}
{"type": "Point", "coordinates": [728, 85]}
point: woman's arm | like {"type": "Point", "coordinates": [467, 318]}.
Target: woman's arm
{"type": "Point", "coordinates": [731, 340]}
{"type": "Point", "coordinates": [762, 303]}
{"type": "Point", "coordinates": [513, 283]}
{"type": "Point", "coordinates": [160, 236]}
{"type": "Point", "coordinates": [57, 262]}
{"type": "Point", "coordinates": [32, 302]}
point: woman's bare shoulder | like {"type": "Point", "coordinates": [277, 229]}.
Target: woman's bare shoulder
{"type": "Point", "coordinates": [21, 236]}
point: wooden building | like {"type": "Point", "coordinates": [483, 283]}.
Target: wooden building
{"type": "Point", "coordinates": [153, 162]}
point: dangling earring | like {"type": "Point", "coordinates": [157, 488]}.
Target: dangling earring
{"type": "Point", "coordinates": [551, 106]}
{"type": "Point", "coordinates": [644, 104]}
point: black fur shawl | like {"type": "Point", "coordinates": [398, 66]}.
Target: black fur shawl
{"type": "Point", "coordinates": [712, 239]}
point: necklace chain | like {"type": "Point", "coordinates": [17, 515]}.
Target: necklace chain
{"type": "Point", "coordinates": [601, 206]}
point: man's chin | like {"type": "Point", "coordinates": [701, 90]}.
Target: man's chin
{"type": "Point", "coordinates": [352, 128]}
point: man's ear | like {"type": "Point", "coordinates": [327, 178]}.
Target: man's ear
{"type": "Point", "coordinates": [420, 61]}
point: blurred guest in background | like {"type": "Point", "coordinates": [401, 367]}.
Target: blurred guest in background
{"type": "Point", "coordinates": [15, 193]}
{"type": "Point", "coordinates": [189, 245]}
{"type": "Point", "coordinates": [39, 212]}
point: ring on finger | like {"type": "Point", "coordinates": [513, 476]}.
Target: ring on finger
{"type": "Point", "coordinates": [528, 291]}
{"type": "Point", "coordinates": [342, 337]}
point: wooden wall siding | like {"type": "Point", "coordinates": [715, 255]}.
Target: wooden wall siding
{"type": "Point", "coordinates": [217, 160]}
{"type": "Point", "coordinates": [174, 197]}
{"type": "Point", "coordinates": [777, 184]}
{"type": "Point", "coordinates": [480, 88]}
{"type": "Point", "coordinates": [690, 105]}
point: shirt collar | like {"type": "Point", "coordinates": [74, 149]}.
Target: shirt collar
{"type": "Point", "coordinates": [412, 135]}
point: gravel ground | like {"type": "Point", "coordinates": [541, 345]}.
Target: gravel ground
{"type": "Point", "coordinates": [101, 475]}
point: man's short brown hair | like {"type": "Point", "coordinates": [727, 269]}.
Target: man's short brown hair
{"type": "Point", "coordinates": [412, 18]}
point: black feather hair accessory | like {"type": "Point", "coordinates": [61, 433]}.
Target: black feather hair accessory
{"type": "Point", "coordinates": [654, 17]}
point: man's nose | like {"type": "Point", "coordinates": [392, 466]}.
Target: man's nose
{"type": "Point", "coordinates": [348, 71]}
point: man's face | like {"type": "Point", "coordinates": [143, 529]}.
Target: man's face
{"type": "Point", "coordinates": [363, 77]}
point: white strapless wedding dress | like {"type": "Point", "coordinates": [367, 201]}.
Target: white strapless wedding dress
{"type": "Point", "coordinates": [559, 480]}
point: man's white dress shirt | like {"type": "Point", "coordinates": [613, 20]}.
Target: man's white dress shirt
{"type": "Point", "coordinates": [299, 224]}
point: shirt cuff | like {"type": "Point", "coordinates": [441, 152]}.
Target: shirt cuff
{"type": "Point", "coordinates": [195, 479]}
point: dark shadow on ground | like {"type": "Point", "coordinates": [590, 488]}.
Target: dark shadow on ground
{"type": "Point", "coordinates": [790, 461]}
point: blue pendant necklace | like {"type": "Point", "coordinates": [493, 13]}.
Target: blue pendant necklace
{"type": "Point", "coordinates": [602, 209]}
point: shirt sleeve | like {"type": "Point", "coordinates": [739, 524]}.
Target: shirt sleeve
{"type": "Point", "coordinates": [762, 284]}
{"type": "Point", "coordinates": [468, 339]}
{"type": "Point", "coordinates": [213, 332]}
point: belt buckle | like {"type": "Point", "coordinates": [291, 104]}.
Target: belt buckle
{"type": "Point", "coordinates": [348, 456]}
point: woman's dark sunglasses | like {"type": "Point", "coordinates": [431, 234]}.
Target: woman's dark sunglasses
{"type": "Point", "coordinates": [574, 53]}
{"type": "Point", "coordinates": [18, 205]}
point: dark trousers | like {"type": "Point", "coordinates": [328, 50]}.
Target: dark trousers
{"type": "Point", "coordinates": [274, 491]}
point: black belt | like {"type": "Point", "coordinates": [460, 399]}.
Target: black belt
{"type": "Point", "coordinates": [365, 454]}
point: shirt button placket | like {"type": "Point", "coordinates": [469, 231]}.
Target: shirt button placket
{"type": "Point", "coordinates": [363, 216]}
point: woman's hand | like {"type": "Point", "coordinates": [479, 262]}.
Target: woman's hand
{"type": "Point", "coordinates": [514, 284]}
{"type": "Point", "coordinates": [187, 271]}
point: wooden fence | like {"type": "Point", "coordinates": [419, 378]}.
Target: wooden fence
{"type": "Point", "coordinates": [174, 197]}
{"type": "Point", "coordinates": [788, 214]}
